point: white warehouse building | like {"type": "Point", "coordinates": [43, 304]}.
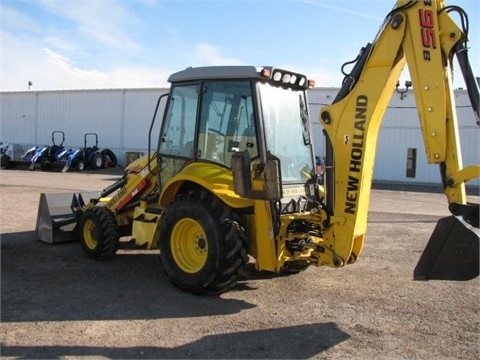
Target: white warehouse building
{"type": "Point", "coordinates": [121, 118]}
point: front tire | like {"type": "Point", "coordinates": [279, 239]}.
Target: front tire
{"type": "Point", "coordinates": [202, 245]}
{"type": "Point", "coordinates": [4, 161]}
{"type": "Point", "coordinates": [80, 165]}
{"type": "Point", "coordinates": [99, 234]}
{"type": "Point", "coordinates": [45, 164]}
{"type": "Point", "coordinates": [96, 161]}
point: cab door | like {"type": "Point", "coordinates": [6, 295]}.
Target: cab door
{"type": "Point", "coordinates": [177, 135]}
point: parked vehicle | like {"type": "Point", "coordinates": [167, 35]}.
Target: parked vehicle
{"type": "Point", "coordinates": [9, 151]}
{"type": "Point", "coordinates": [42, 155]}
{"type": "Point", "coordinates": [87, 156]}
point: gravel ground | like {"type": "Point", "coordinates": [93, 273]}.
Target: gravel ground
{"type": "Point", "coordinates": [56, 303]}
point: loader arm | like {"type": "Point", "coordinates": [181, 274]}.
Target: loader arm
{"type": "Point", "coordinates": [423, 35]}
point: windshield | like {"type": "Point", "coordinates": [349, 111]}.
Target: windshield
{"type": "Point", "coordinates": [287, 131]}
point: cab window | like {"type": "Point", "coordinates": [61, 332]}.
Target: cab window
{"type": "Point", "coordinates": [227, 122]}
{"type": "Point", "coordinates": [178, 130]}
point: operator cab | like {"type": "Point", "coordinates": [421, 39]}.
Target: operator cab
{"type": "Point", "coordinates": [213, 114]}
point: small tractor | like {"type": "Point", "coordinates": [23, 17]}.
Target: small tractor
{"type": "Point", "coordinates": [9, 151]}
{"type": "Point", "coordinates": [87, 156]}
{"type": "Point", "coordinates": [42, 155]}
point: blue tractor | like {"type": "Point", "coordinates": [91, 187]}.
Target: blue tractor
{"type": "Point", "coordinates": [37, 155]}
{"type": "Point", "coordinates": [87, 157]}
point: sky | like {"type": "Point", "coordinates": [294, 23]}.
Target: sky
{"type": "Point", "coordinates": [103, 44]}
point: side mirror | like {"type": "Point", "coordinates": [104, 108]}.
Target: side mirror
{"type": "Point", "coordinates": [242, 177]}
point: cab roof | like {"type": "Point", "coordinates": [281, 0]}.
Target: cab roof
{"type": "Point", "coordinates": [218, 72]}
{"type": "Point", "coordinates": [275, 76]}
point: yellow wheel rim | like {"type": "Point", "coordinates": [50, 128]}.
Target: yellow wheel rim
{"type": "Point", "coordinates": [189, 245]}
{"type": "Point", "coordinates": [89, 234]}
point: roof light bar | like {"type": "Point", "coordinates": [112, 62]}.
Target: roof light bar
{"type": "Point", "coordinates": [288, 79]}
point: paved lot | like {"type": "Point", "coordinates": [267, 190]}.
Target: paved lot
{"type": "Point", "coordinates": [56, 303]}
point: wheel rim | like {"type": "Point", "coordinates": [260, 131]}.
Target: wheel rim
{"type": "Point", "coordinates": [89, 234]}
{"type": "Point", "coordinates": [98, 162]}
{"type": "Point", "coordinates": [189, 245]}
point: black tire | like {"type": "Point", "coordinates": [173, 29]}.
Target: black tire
{"type": "Point", "coordinates": [4, 161]}
{"type": "Point", "coordinates": [45, 164]}
{"type": "Point", "coordinates": [109, 158]}
{"type": "Point", "coordinates": [99, 234]}
{"type": "Point", "coordinates": [96, 162]}
{"type": "Point", "coordinates": [202, 245]}
{"type": "Point", "coordinates": [80, 165]}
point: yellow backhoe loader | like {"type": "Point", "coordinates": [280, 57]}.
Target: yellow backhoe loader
{"type": "Point", "coordinates": [234, 173]}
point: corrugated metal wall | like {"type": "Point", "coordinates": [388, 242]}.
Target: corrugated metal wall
{"type": "Point", "coordinates": [18, 122]}
{"type": "Point", "coordinates": [400, 131]}
{"type": "Point", "coordinates": [139, 107]}
{"type": "Point", "coordinates": [122, 118]}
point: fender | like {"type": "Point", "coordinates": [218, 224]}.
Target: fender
{"type": "Point", "coordinates": [212, 177]}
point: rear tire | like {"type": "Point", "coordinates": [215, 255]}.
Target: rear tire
{"type": "Point", "coordinates": [109, 158]}
{"type": "Point", "coordinates": [99, 234]}
{"type": "Point", "coordinates": [202, 245]}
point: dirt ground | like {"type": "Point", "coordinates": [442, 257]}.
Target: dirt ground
{"type": "Point", "coordinates": [56, 303]}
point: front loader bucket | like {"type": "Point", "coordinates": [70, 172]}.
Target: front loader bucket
{"type": "Point", "coordinates": [451, 252]}
{"type": "Point", "coordinates": [56, 221]}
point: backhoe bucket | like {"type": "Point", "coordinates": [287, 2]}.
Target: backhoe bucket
{"type": "Point", "coordinates": [451, 252]}
{"type": "Point", "coordinates": [56, 221]}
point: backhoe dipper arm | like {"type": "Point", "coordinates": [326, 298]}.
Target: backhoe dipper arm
{"type": "Point", "coordinates": [423, 35]}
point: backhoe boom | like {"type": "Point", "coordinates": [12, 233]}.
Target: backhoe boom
{"type": "Point", "coordinates": [422, 35]}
